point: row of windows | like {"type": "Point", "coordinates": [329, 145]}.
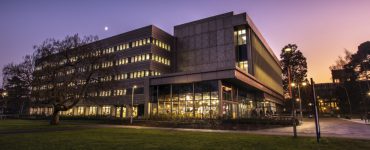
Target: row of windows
{"type": "Point", "coordinates": [105, 110]}
{"type": "Point", "coordinates": [122, 61]}
{"type": "Point", "coordinates": [108, 50]}
{"type": "Point", "coordinates": [160, 59]}
{"type": "Point", "coordinates": [161, 44]}
{"type": "Point", "coordinates": [139, 58]}
{"type": "Point", "coordinates": [106, 93]}
{"type": "Point", "coordinates": [140, 42]}
{"type": "Point", "coordinates": [107, 64]}
{"type": "Point", "coordinates": [143, 57]}
{"type": "Point", "coordinates": [106, 78]}
{"type": "Point", "coordinates": [123, 76]}
{"type": "Point", "coordinates": [137, 74]}
{"type": "Point", "coordinates": [124, 46]}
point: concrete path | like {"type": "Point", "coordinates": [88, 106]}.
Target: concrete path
{"type": "Point", "coordinates": [330, 127]}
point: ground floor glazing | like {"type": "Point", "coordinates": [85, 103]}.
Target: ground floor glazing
{"type": "Point", "coordinates": [208, 99]}
{"type": "Point", "coordinates": [199, 100]}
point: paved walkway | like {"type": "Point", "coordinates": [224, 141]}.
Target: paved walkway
{"type": "Point", "coordinates": [330, 127]}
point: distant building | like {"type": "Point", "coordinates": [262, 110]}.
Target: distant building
{"type": "Point", "coordinates": [330, 95]}
{"type": "Point", "coordinates": [217, 67]}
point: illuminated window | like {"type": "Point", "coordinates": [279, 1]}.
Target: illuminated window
{"type": "Point", "coordinates": [241, 36]}
{"type": "Point", "coordinates": [243, 65]}
{"type": "Point", "coordinates": [92, 110]}
{"type": "Point", "coordinates": [80, 110]}
{"type": "Point", "coordinates": [119, 92]}
{"type": "Point", "coordinates": [106, 110]}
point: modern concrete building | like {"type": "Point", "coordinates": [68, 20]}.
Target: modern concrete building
{"type": "Point", "coordinates": [217, 67]}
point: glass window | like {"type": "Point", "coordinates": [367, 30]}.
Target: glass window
{"type": "Point", "coordinates": [241, 37]}
{"type": "Point", "coordinates": [80, 110]}
{"type": "Point", "coordinates": [106, 110]}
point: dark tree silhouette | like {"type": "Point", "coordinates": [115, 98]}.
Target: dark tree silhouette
{"type": "Point", "coordinates": [342, 61]}
{"type": "Point", "coordinates": [298, 64]}
{"type": "Point", "coordinates": [357, 69]}
{"type": "Point", "coordinates": [71, 68]}
{"type": "Point", "coordinates": [360, 62]}
{"type": "Point", "coordinates": [17, 82]}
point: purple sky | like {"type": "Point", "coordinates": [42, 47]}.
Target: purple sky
{"type": "Point", "coordinates": [322, 29]}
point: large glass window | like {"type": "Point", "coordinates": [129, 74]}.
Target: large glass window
{"type": "Point", "coordinates": [241, 36]}
{"type": "Point", "coordinates": [164, 102]}
{"type": "Point", "coordinates": [119, 110]}
{"type": "Point", "coordinates": [92, 110]}
{"type": "Point", "coordinates": [199, 102]}
{"type": "Point", "coordinates": [106, 110]}
{"type": "Point", "coordinates": [80, 110]}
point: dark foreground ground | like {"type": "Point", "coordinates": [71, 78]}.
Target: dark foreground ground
{"type": "Point", "coordinates": [27, 134]}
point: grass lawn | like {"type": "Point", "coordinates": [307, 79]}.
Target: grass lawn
{"type": "Point", "coordinates": [119, 138]}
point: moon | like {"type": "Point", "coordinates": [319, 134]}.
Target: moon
{"type": "Point", "coordinates": [106, 28]}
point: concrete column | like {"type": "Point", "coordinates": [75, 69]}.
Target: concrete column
{"type": "Point", "coordinates": [171, 100]}
{"type": "Point", "coordinates": [157, 100]}
{"type": "Point", "coordinates": [128, 111]}
{"type": "Point", "coordinates": [249, 52]}
{"type": "Point", "coordinates": [121, 112]}
{"type": "Point", "coordinates": [220, 97]}
{"type": "Point", "coordinates": [147, 97]}
{"type": "Point", "coordinates": [193, 101]}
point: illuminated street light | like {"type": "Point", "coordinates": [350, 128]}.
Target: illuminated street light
{"type": "Point", "coordinates": [288, 49]}
{"type": "Point", "coordinates": [304, 83]}
{"type": "Point", "coordinates": [368, 93]}
{"type": "Point", "coordinates": [297, 99]}
{"type": "Point", "coordinates": [309, 104]}
{"type": "Point", "coordinates": [5, 94]}
{"type": "Point", "coordinates": [292, 84]}
{"type": "Point", "coordinates": [132, 103]}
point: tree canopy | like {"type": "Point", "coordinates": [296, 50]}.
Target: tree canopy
{"type": "Point", "coordinates": [17, 82]}
{"type": "Point", "coordinates": [294, 59]}
{"type": "Point", "coordinates": [66, 70]}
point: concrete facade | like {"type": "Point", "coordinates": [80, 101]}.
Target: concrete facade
{"type": "Point", "coordinates": [205, 57]}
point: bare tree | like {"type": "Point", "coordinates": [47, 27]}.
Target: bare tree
{"type": "Point", "coordinates": [342, 61]}
{"type": "Point", "coordinates": [68, 72]}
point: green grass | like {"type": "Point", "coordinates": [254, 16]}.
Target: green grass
{"type": "Point", "coordinates": [118, 138]}
{"type": "Point", "coordinates": [17, 125]}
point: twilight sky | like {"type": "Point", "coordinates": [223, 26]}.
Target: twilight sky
{"type": "Point", "coordinates": [321, 29]}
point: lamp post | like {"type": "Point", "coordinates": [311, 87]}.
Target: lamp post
{"type": "Point", "coordinates": [132, 104]}
{"type": "Point", "coordinates": [289, 50]}
{"type": "Point", "coordinates": [300, 99]}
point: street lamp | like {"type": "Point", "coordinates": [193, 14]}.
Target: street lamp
{"type": "Point", "coordinates": [289, 50]}
{"type": "Point", "coordinates": [5, 94]}
{"type": "Point", "coordinates": [132, 103]}
{"type": "Point", "coordinates": [300, 102]}
{"type": "Point", "coordinates": [292, 84]}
